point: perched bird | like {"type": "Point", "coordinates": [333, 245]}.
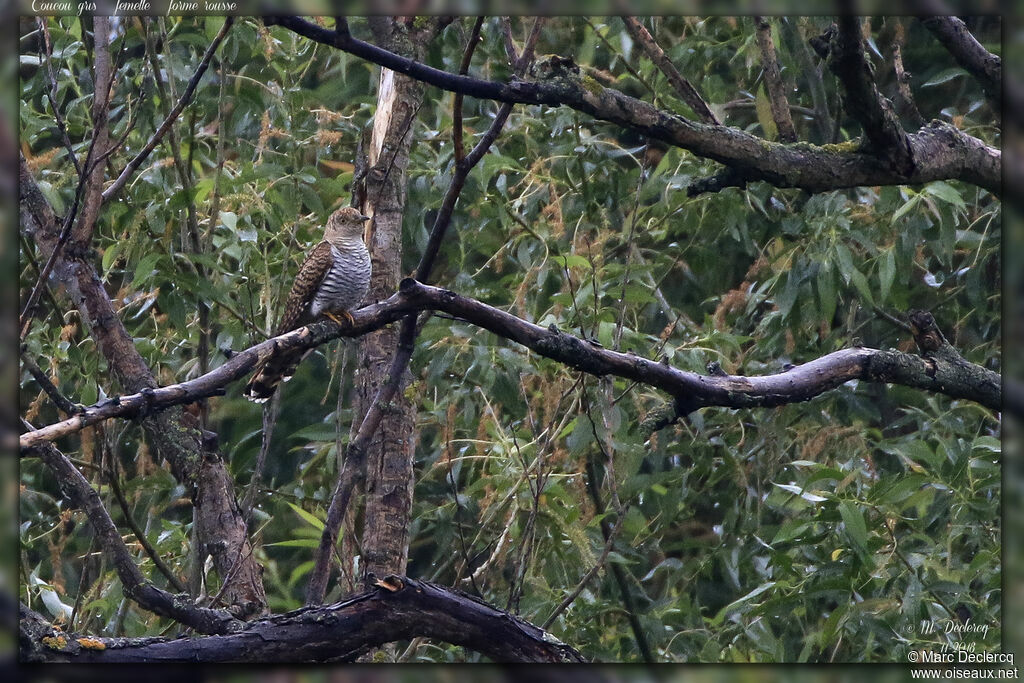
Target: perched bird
{"type": "Point", "coordinates": [332, 280]}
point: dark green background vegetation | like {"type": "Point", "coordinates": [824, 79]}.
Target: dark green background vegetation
{"type": "Point", "coordinates": [821, 531]}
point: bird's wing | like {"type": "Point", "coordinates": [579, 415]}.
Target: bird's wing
{"type": "Point", "coordinates": [312, 272]}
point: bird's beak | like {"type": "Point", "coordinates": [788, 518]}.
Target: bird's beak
{"type": "Point", "coordinates": [365, 218]}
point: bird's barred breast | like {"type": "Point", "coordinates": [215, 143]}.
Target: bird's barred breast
{"type": "Point", "coordinates": [346, 283]}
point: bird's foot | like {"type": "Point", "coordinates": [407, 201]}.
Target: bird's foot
{"type": "Point", "coordinates": [345, 314]}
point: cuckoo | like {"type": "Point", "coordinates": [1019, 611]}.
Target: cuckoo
{"type": "Point", "coordinates": [333, 279]}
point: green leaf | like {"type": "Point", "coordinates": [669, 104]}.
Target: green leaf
{"type": "Point", "coordinates": [861, 284]}
{"type": "Point", "coordinates": [297, 543]}
{"type": "Point", "coordinates": [300, 570]}
{"type": "Point", "coordinates": [826, 286]}
{"type": "Point", "coordinates": [146, 268]}
{"type": "Point", "coordinates": [944, 76]}
{"type": "Point", "coordinates": [845, 260]}
{"type": "Point", "coordinates": [110, 255]}
{"type": "Point", "coordinates": [906, 208]}
{"type": "Point", "coordinates": [764, 115]}
{"type": "Point", "coordinates": [790, 530]}
{"type": "Point", "coordinates": [809, 497]}
{"type": "Point", "coordinates": [229, 220]}
{"type": "Point", "coordinates": [742, 604]}
{"type": "Point", "coordinates": [853, 520]}
{"type": "Point", "coordinates": [787, 297]}
{"type": "Point", "coordinates": [946, 193]}
{"type": "Point", "coordinates": [309, 517]}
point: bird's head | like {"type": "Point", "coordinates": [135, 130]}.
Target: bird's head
{"type": "Point", "coordinates": [346, 223]}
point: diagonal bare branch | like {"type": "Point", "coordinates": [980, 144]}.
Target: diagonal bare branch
{"type": "Point", "coordinates": [940, 373]}
{"type": "Point", "coordinates": [682, 86]}
{"type": "Point", "coordinates": [186, 97]}
{"type": "Point", "coordinates": [952, 32]}
{"type": "Point", "coordinates": [77, 489]}
{"type": "Point", "coordinates": [773, 81]}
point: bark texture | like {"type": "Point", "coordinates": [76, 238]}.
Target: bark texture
{"type": "Point", "coordinates": [941, 372]}
{"type": "Point", "coordinates": [397, 609]}
{"type": "Point", "coordinates": [174, 434]}
{"type": "Point", "coordinates": [389, 475]}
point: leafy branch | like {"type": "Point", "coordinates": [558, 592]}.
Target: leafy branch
{"type": "Point", "coordinates": [941, 151]}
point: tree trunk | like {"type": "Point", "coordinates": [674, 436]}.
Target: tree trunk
{"type": "Point", "coordinates": [389, 475]}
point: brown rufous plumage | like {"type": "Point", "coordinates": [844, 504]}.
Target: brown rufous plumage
{"type": "Point", "coordinates": [332, 280]}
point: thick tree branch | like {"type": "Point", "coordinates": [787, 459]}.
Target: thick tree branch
{"type": "Point", "coordinates": [90, 182]}
{"type": "Point", "coordinates": [883, 134]}
{"type": "Point", "coordinates": [936, 372]}
{"type": "Point", "coordinates": [942, 152]}
{"type": "Point", "coordinates": [398, 609]}
{"type": "Point", "coordinates": [969, 53]}
{"type": "Point", "coordinates": [103, 79]}
{"type": "Point", "coordinates": [176, 438]}
{"type": "Point", "coordinates": [135, 586]}
{"type": "Point", "coordinates": [683, 87]}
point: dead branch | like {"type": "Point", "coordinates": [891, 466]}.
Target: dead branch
{"type": "Point", "coordinates": [682, 86]}
{"type": "Point", "coordinates": [398, 608]}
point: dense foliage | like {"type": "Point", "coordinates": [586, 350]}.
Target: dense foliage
{"type": "Point", "coordinates": [817, 531]}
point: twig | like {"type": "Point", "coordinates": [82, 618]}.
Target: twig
{"type": "Point", "coordinates": [773, 81]}
{"type": "Point", "coordinates": [158, 134]}
{"type": "Point", "coordinates": [140, 535]}
{"type": "Point", "coordinates": [51, 95]}
{"type": "Point", "coordinates": [510, 44]}
{"type": "Point", "coordinates": [528, 538]}
{"type": "Point", "coordinates": [66, 405]}
{"type": "Point", "coordinates": [892, 320]}
{"type": "Point", "coordinates": [752, 104]}
{"type": "Point", "coordinates": [682, 86]}
{"type": "Point", "coordinates": [575, 593]}
{"type": "Point", "coordinates": [270, 412]}
{"type": "Point", "coordinates": [902, 77]}
{"type": "Point", "coordinates": [629, 67]}
{"type": "Point", "coordinates": [467, 57]}
{"type": "Point", "coordinates": [617, 572]}
{"type": "Point", "coordinates": [134, 584]}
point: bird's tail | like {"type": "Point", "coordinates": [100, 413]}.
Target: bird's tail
{"type": "Point", "coordinates": [270, 375]}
